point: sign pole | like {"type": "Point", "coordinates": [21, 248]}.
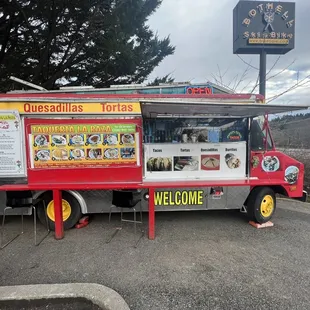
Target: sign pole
{"type": "Point", "coordinates": [262, 72]}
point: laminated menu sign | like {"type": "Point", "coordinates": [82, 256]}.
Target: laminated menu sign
{"type": "Point", "coordinates": [83, 145]}
{"type": "Point", "coordinates": [11, 145]}
{"type": "Point", "coordinates": [195, 160]}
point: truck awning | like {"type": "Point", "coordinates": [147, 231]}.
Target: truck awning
{"type": "Point", "coordinates": [156, 108]}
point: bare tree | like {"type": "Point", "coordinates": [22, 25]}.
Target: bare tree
{"type": "Point", "coordinates": [241, 82]}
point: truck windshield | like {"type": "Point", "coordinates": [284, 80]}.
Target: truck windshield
{"type": "Point", "coordinates": [258, 136]}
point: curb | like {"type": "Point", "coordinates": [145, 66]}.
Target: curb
{"type": "Point", "coordinates": [100, 295]}
{"type": "Point", "coordinates": [291, 199]}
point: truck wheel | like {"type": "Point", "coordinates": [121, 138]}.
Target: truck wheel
{"type": "Point", "coordinates": [71, 211]}
{"type": "Point", "coordinates": [261, 204]}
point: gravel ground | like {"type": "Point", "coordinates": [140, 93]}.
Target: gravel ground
{"type": "Point", "coordinates": [199, 260]}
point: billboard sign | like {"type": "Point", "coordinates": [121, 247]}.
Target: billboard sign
{"type": "Point", "coordinates": [261, 25]}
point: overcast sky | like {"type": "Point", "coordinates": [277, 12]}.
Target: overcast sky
{"type": "Point", "coordinates": [201, 30]}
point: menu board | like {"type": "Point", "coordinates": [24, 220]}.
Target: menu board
{"type": "Point", "coordinates": [83, 145]}
{"type": "Point", "coordinates": [195, 161]}
{"type": "Point", "coordinates": [11, 145]}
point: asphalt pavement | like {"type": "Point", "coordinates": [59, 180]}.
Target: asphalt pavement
{"type": "Point", "coordinates": [199, 260]}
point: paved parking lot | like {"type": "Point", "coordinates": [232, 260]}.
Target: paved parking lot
{"type": "Point", "coordinates": [200, 260]}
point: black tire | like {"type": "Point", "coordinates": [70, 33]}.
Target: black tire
{"type": "Point", "coordinates": [254, 202]}
{"type": "Point", "coordinates": [74, 217]}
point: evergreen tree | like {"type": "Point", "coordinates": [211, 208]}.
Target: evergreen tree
{"type": "Point", "coordinates": [82, 42]}
{"type": "Point", "coordinates": [163, 80]}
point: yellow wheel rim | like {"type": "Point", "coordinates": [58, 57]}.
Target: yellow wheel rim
{"type": "Point", "coordinates": [267, 206]}
{"type": "Point", "coordinates": [66, 210]}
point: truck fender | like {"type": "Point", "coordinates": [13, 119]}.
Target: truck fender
{"type": "Point", "coordinates": [75, 194]}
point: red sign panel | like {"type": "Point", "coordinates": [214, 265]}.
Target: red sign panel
{"type": "Point", "coordinates": [60, 150]}
{"type": "Point", "coordinates": [199, 90]}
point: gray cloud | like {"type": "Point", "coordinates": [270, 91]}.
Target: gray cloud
{"type": "Point", "coordinates": [202, 33]}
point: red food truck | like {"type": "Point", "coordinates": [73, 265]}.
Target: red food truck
{"type": "Point", "coordinates": [180, 152]}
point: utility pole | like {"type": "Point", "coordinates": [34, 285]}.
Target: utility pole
{"type": "Point", "coordinates": [262, 73]}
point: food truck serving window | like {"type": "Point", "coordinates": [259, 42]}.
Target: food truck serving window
{"type": "Point", "coordinates": [195, 148]}
{"type": "Point", "coordinates": [192, 130]}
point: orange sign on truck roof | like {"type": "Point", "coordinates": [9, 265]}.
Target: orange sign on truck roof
{"type": "Point", "coordinates": [112, 108]}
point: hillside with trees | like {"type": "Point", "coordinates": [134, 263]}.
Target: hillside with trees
{"type": "Point", "coordinates": [291, 131]}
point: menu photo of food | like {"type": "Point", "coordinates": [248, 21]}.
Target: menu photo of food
{"type": "Point", "coordinates": [232, 161]}
{"type": "Point", "coordinates": [41, 140]}
{"type": "Point", "coordinates": [159, 164]}
{"type": "Point", "coordinates": [110, 153]}
{"type": "Point", "coordinates": [42, 155]}
{"type": "Point", "coordinates": [128, 153]}
{"type": "Point", "coordinates": [94, 139]}
{"type": "Point", "coordinates": [77, 154]}
{"type": "Point", "coordinates": [127, 138]}
{"type": "Point", "coordinates": [4, 125]}
{"type": "Point", "coordinates": [59, 140]}
{"type": "Point", "coordinates": [210, 162]}
{"type": "Point", "coordinates": [186, 163]}
{"type": "Point", "coordinates": [60, 154]}
{"type": "Point", "coordinates": [94, 153]}
{"type": "Point", "coordinates": [110, 139]}
{"type": "Point", "coordinates": [77, 139]}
